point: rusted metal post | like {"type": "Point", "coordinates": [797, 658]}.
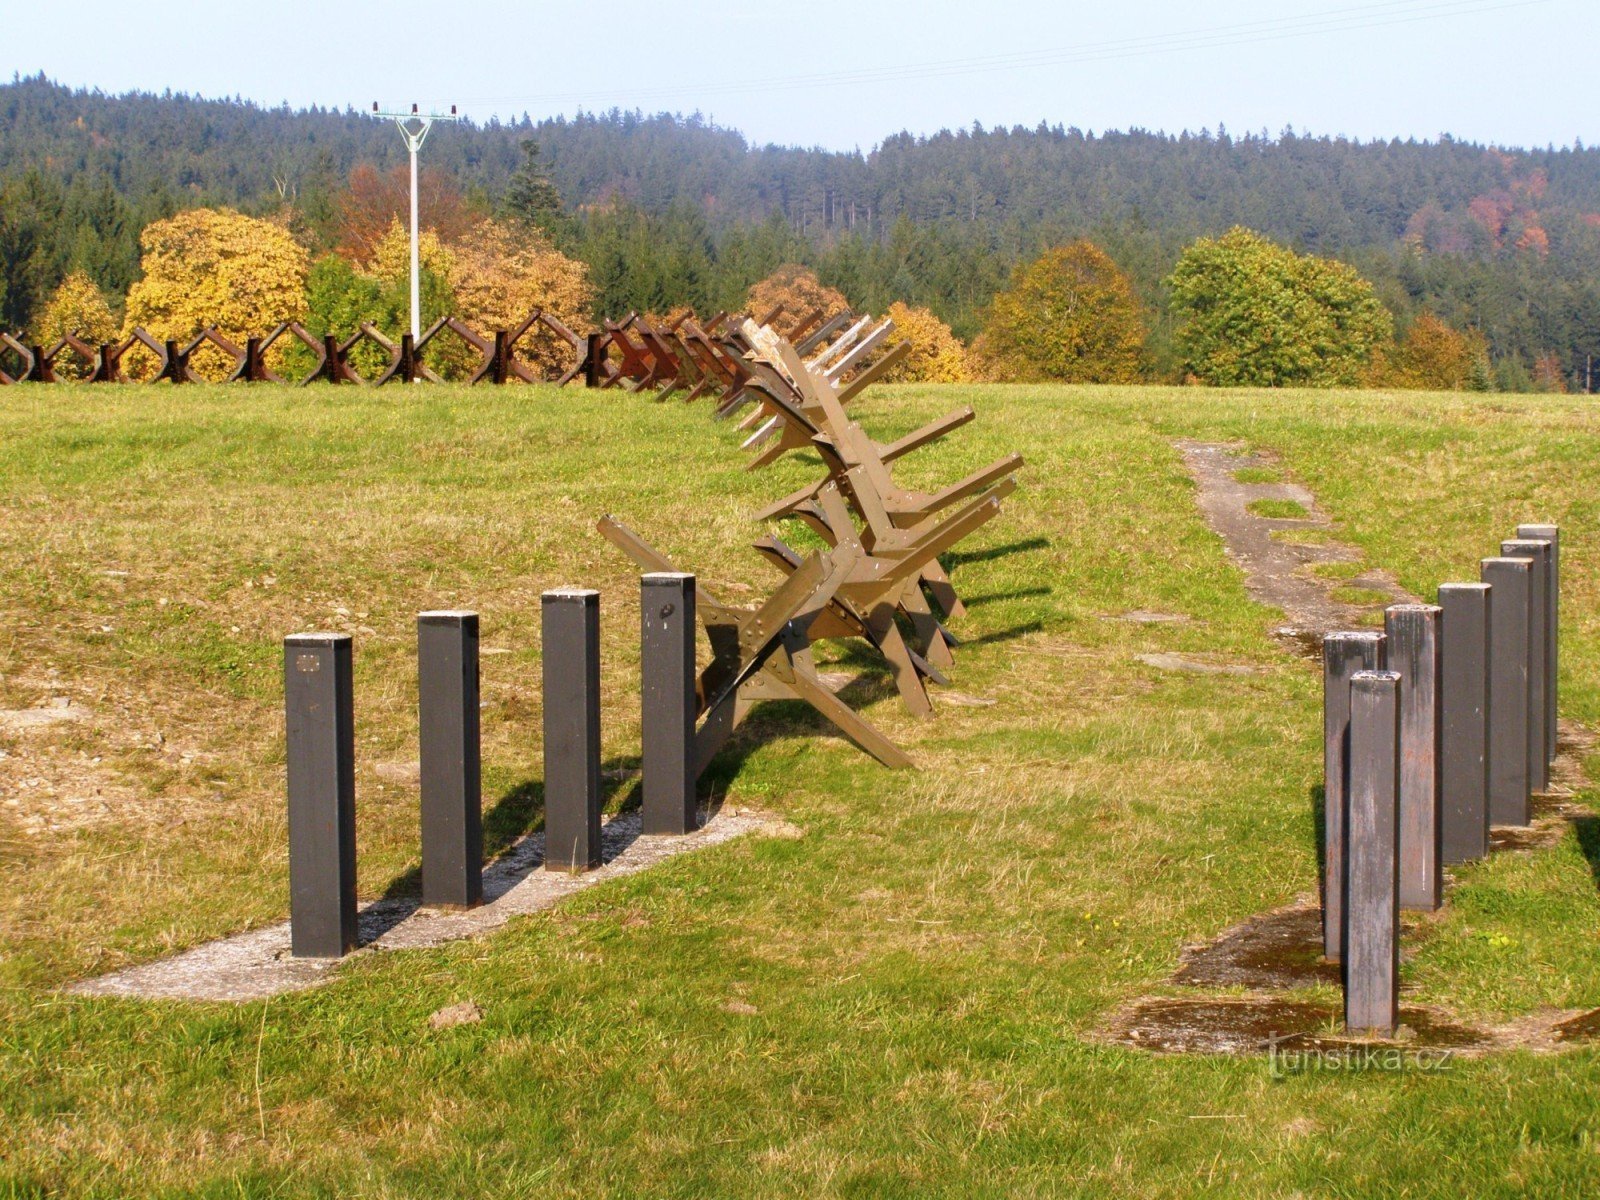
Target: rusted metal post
{"type": "Point", "coordinates": [1372, 921]}
{"type": "Point", "coordinates": [43, 368]}
{"type": "Point", "coordinates": [593, 355]}
{"type": "Point", "coordinates": [1538, 553]}
{"type": "Point", "coordinates": [1464, 720]}
{"type": "Point", "coordinates": [571, 646]}
{"type": "Point", "coordinates": [410, 369]}
{"type": "Point", "coordinates": [1412, 631]}
{"type": "Point", "coordinates": [1551, 534]}
{"type": "Point", "coordinates": [1511, 579]}
{"type": "Point", "coordinates": [1343, 655]}
{"type": "Point", "coordinates": [176, 366]}
{"type": "Point", "coordinates": [319, 718]}
{"type": "Point", "coordinates": [452, 786]}
{"type": "Point", "coordinates": [107, 364]}
{"type": "Point", "coordinates": [667, 632]}
{"type": "Point", "coordinates": [255, 366]}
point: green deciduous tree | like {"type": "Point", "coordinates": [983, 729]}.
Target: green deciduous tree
{"type": "Point", "coordinates": [1253, 313]}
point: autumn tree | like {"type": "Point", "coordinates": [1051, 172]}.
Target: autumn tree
{"type": "Point", "coordinates": [937, 355]}
{"type": "Point", "coordinates": [1433, 357]}
{"type": "Point", "coordinates": [375, 200]}
{"type": "Point", "coordinates": [1071, 315]}
{"type": "Point", "coordinates": [436, 293]}
{"type": "Point", "coordinates": [215, 266]}
{"type": "Point", "coordinates": [1253, 313]}
{"type": "Point", "coordinates": [493, 279]}
{"type": "Point", "coordinates": [78, 307]}
{"type": "Point", "coordinates": [501, 273]}
{"type": "Point", "coordinates": [798, 290]}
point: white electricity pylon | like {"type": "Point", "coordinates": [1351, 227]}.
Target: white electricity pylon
{"type": "Point", "coordinates": [414, 128]}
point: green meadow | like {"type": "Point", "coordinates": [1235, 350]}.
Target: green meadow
{"type": "Point", "coordinates": [904, 999]}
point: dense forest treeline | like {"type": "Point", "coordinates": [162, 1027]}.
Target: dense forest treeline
{"type": "Point", "coordinates": [670, 210]}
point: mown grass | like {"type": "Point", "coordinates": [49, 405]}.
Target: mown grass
{"type": "Point", "coordinates": [925, 965]}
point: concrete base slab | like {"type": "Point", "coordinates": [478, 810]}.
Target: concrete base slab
{"type": "Point", "coordinates": [257, 964]}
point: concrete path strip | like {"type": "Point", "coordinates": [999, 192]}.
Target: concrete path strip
{"type": "Point", "coordinates": [257, 964]}
{"type": "Point", "coordinates": [1276, 571]}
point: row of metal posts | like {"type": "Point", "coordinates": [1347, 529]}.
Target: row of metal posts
{"type": "Point", "coordinates": [1435, 729]}
{"type": "Point", "coordinates": [319, 716]}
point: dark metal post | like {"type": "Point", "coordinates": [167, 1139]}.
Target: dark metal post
{"type": "Point", "coordinates": [1538, 553]}
{"type": "Point", "coordinates": [1551, 534]}
{"type": "Point", "coordinates": [1343, 654]}
{"type": "Point", "coordinates": [1552, 634]}
{"type": "Point", "coordinates": [594, 353]}
{"type": "Point", "coordinates": [1413, 652]}
{"type": "Point", "coordinates": [105, 366]}
{"type": "Point", "coordinates": [255, 367]}
{"type": "Point", "coordinates": [319, 715]}
{"type": "Point", "coordinates": [1464, 718]}
{"type": "Point", "coordinates": [43, 368]}
{"type": "Point", "coordinates": [409, 369]}
{"type": "Point", "coordinates": [1508, 689]}
{"type": "Point", "coordinates": [501, 364]}
{"type": "Point", "coordinates": [571, 633]}
{"type": "Point", "coordinates": [1372, 923]}
{"type": "Point", "coordinates": [666, 636]}
{"type": "Point", "coordinates": [452, 787]}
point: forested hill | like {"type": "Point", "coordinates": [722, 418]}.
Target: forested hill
{"type": "Point", "coordinates": [1508, 240]}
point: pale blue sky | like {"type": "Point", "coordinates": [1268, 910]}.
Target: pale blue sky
{"type": "Point", "coordinates": [1517, 72]}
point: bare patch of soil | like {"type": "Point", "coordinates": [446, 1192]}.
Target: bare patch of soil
{"type": "Point", "coordinates": [1259, 1024]}
{"type": "Point", "coordinates": [1551, 813]}
{"type": "Point", "coordinates": [1277, 571]}
{"type": "Point", "coordinates": [1582, 1028]}
{"type": "Point", "coordinates": [1279, 949]}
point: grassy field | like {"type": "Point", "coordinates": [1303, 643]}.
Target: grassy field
{"type": "Point", "coordinates": [900, 1001]}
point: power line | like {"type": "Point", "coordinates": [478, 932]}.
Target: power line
{"type": "Point", "coordinates": [1341, 20]}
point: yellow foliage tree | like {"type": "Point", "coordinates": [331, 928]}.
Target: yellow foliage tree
{"type": "Point", "coordinates": [391, 258]}
{"type": "Point", "coordinates": [937, 355]}
{"type": "Point", "coordinates": [501, 273]}
{"type": "Point", "coordinates": [215, 266]}
{"type": "Point", "coordinates": [1071, 315]}
{"type": "Point", "coordinates": [798, 290]}
{"type": "Point", "coordinates": [78, 307]}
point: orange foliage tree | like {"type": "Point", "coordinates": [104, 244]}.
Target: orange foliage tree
{"type": "Point", "coordinates": [501, 273]}
{"type": "Point", "coordinates": [1433, 357]}
{"type": "Point", "coordinates": [937, 355]}
{"type": "Point", "coordinates": [376, 199]}
{"type": "Point", "coordinates": [798, 290]}
{"type": "Point", "coordinates": [1071, 315]}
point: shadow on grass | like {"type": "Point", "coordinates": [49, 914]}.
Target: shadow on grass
{"type": "Point", "coordinates": [1588, 831]}
{"type": "Point", "coordinates": [957, 558]}
{"type": "Point", "coordinates": [1005, 635]}
{"type": "Point", "coordinates": [519, 812]}
{"type": "Point", "coordinates": [995, 597]}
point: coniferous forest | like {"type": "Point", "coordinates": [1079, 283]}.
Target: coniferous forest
{"type": "Point", "coordinates": [672, 210]}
